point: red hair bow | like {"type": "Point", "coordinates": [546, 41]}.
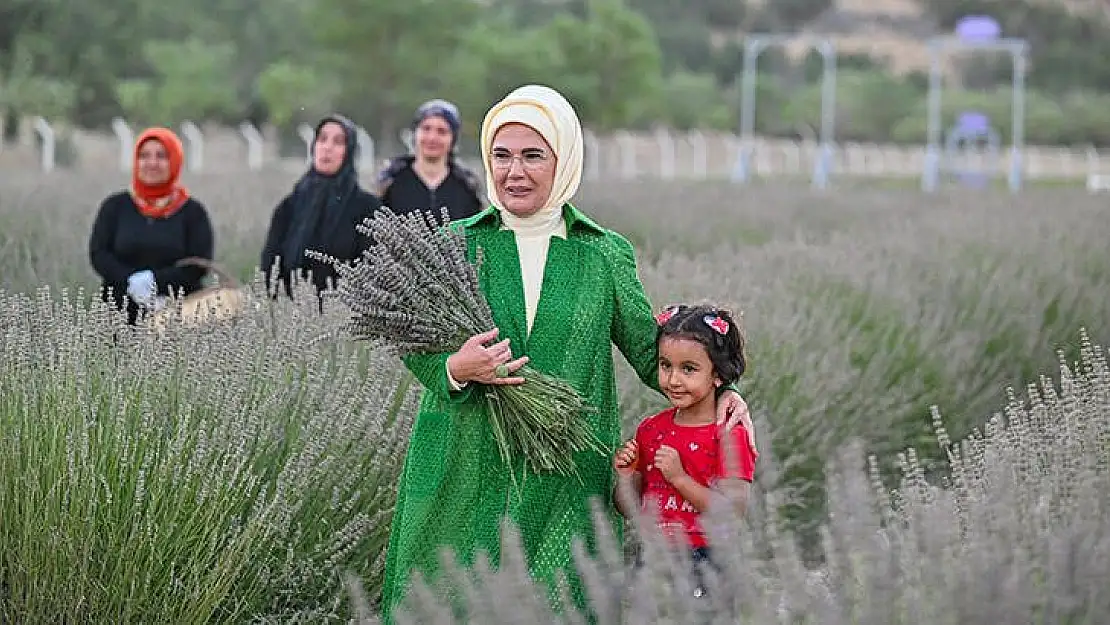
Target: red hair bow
{"type": "Point", "coordinates": [719, 325]}
{"type": "Point", "coordinates": [666, 315]}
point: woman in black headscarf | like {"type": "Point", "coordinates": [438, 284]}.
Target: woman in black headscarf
{"type": "Point", "coordinates": [321, 212]}
{"type": "Point", "coordinates": [431, 178]}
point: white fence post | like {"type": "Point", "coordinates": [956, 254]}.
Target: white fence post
{"type": "Point", "coordinates": [793, 158]}
{"type": "Point", "coordinates": [1096, 180]}
{"type": "Point", "coordinates": [701, 154]}
{"type": "Point", "coordinates": [627, 147]}
{"type": "Point", "coordinates": [365, 149]}
{"type": "Point", "coordinates": [126, 140]}
{"type": "Point", "coordinates": [593, 155]}
{"type": "Point", "coordinates": [46, 136]}
{"type": "Point", "coordinates": [195, 145]}
{"type": "Point", "coordinates": [666, 154]}
{"type": "Point", "coordinates": [408, 139]}
{"type": "Point", "coordinates": [255, 145]}
{"type": "Point", "coordinates": [308, 135]}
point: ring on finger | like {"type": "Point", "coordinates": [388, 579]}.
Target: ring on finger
{"type": "Point", "coordinates": [501, 371]}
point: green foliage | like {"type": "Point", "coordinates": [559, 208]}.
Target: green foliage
{"type": "Point", "coordinates": [620, 61]}
{"type": "Point", "coordinates": [689, 100]}
{"type": "Point", "coordinates": [513, 57]}
{"type": "Point", "coordinates": [614, 52]}
{"type": "Point", "coordinates": [1069, 50]}
{"type": "Point", "coordinates": [295, 93]}
{"type": "Point", "coordinates": [192, 79]}
{"type": "Point", "coordinates": [795, 13]}
{"type": "Point", "coordinates": [389, 56]}
{"type": "Point", "coordinates": [721, 14]}
{"type": "Point", "coordinates": [868, 105]}
{"type": "Point", "coordinates": [22, 89]}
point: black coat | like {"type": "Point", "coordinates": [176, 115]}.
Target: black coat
{"type": "Point", "coordinates": [123, 241]}
{"type": "Point", "coordinates": [400, 189]}
{"type": "Point", "coordinates": [342, 242]}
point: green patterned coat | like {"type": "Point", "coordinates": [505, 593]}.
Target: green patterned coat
{"type": "Point", "coordinates": [454, 490]}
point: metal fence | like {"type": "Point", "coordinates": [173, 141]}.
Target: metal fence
{"type": "Point", "coordinates": [660, 154]}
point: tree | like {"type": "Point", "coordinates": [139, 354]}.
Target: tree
{"type": "Point", "coordinates": [616, 54]}
{"type": "Point", "coordinates": [295, 93]}
{"type": "Point", "coordinates": [193, 80]}
{"type": "Point", "coordinates": [497, 57]}
{"type": "Point", "coordinates": [389, 56]}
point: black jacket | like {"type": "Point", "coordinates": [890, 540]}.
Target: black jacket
{"type": "Point", "coordinates": [123, 241]}
{"type": "Point", "coordinates": [400, 189]}
{"type": "Point", "coordinates": [342, 242]}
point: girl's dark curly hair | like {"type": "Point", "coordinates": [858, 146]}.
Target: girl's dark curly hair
{"type": "Point", "coordinates": [712, 327]}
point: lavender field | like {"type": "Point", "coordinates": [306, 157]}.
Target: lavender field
{"type": "Point", "coordinates": [927, 377]}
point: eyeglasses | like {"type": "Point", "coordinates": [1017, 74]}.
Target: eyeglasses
{"type": "Point", "coordinates": [530, 160]}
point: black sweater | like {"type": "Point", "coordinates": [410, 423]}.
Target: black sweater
{"type": "Point", "coordinates": [123, 241]}
{"type": "Point", "coordinates": [403, 191]}
{"type": "Point", "coordinates": [344, 243]}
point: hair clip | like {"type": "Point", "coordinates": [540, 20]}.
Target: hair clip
{"type": "Point", "coordinates": [720, 326]}
{"type": "Point", "coordinates": [666, 315]}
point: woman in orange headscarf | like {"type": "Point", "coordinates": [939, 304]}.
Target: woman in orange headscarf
{"type": "Point", "coordinates": [140, 234]}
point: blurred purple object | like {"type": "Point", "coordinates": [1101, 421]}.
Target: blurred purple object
{"type": "Point", "coordinates": [973, 123]}
{"type": "Point", "coordinates": [978, 28]}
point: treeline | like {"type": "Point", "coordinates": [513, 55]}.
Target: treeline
{"type": "Point", "coordinates": [625, 64]}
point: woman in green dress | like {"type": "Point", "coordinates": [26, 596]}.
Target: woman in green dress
{"type": "Point", "coordinates": [563, 290]}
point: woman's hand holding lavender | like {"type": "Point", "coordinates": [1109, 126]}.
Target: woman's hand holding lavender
{"type": "Point", "coordinates": [416, 292]}
{"type": "Point", "coordinates": [474, 362]}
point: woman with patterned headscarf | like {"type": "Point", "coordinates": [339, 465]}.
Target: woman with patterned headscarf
{"type": "Point", "coordinates": [431, 178]}
{"type": "Point", "coordinates": [321, 213]}
{"type": "Point", "coordinates": [140, 234]}
{"type": "Point", "coordinates": [563, 290]}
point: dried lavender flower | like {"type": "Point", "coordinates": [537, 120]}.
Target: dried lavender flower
{"type": "Point", "coordinates": [415, 292]}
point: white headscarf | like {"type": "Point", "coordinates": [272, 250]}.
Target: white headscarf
{"type": "Point", "coordinates": [546, 111]}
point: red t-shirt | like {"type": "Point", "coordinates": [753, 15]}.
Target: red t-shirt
{"type": "Point", "coordinates": [699, 448]}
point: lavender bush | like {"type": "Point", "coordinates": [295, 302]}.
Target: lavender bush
{"type": "Point", "coordinates": [863, 309]}
{"type": "Point", "coordinates": [218, 475]}
{"type": "Point", "coordinates": [1014, 532]}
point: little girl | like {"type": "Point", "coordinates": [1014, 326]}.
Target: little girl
{"type": "Point", "coordinates": [676, 463]}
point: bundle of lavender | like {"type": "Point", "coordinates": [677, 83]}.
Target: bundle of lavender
{"type": "Point", "coordinates": [415, 292]}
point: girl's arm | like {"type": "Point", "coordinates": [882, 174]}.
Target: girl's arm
{"type": "Point", "coordinates": [634, 327]}
{"type": "Point", "coordinates": [736, 492]}
{"type": "Point", "coordinates": [738, 457]}
{"type": "Point", "coordinates": [669, 462]}
{"type": "Point", "coordinates": [695, 494]}
{"type": "Point", "coordinates": [733, 490]}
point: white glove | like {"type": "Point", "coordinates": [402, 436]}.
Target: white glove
{"type": "Point", "coordinates": [141, 287]}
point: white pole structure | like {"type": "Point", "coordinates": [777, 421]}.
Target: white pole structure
{"type": "Point", "coordinates": [308, 136]}
{"type": "Point", "coordinates": [126, 142]}
{"type": "Point", "coordinates": [701, 155]}
{"type": "Point", "coordinates": [593, 155]}
{"type": "Point", "coordinates": [628, 154]}
{"type": "Point", "coordinates": [255, 145]}
{"type": "Point", "coordinates": [46, 136]}
{"type": "Point", "coordinates": [408, 139]}
{"type": "Point", "coordinates": [666, 154]}
{"type": "Point", "coordinates": [195, 147]}
{"type": "Point", "coordinates": [365, 149]}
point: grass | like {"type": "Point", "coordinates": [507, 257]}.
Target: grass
{"type": "Point", "coordinates": [863, 309]}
